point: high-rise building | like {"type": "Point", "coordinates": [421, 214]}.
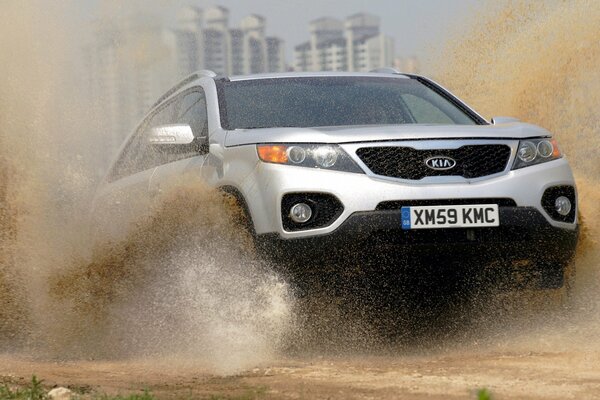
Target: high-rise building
{"type": "Point", "coordinates": [275, 54]}
{"type": "Point", "coordinates": [255, 46]}
{"type": "Point", "coordinates": [303, 57]}
{"type": "Point", "coordinates": [224, 50]}
{"type": "Point", "coordinates": [188, 39]}
{"type": "Point", "coordinates": [355, 44]}
{"type": "Point", "coordinates": [215, 40]}
{"type": "Point", "coordinates": [128, 65]}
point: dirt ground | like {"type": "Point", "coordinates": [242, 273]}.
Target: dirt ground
{"type": "Point", "coordinates": [549, 375]}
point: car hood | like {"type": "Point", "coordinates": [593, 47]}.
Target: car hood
{"type": "Point", "coordinates": [354, 134]}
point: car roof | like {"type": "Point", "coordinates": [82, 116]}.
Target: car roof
{"type": "Point", "coordinates": [315, 75]}
{"type": "Point", "coordinates": [194, 78]}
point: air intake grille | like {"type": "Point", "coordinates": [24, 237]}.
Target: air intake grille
{"type": "Point", "coordinates": [549, 199]}
{"type": "Point", "coordinates": [472, 161]}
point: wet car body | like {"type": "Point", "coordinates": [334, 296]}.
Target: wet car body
{"type": "Point", "coordinates": [367, 162]}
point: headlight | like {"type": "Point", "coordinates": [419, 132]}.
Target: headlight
{"type": "Point", "coordinates": [325, 156]}
{"type": "Point", "coordinates": [536, 151]}
{"type": "Point", "coordinates": [322, 156]}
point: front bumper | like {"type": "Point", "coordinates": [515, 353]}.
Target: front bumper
{"type": "Point", "coordinates": [524, 252]}
{"type": "Point", "coordinates": [524, 234]}
{"type": "Point", "coordinates": [361, 194]}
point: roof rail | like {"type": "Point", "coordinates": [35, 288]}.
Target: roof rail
{"type": "Point", "coordinates": [185, 81]}
{"type": "Point", "coordinates": [385, 70]}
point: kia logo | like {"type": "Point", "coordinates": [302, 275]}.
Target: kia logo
{"type": "Point", "coordinates": [440, 163]}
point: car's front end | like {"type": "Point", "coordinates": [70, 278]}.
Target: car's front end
{"type": "Point", "coordinates": [504, 192]}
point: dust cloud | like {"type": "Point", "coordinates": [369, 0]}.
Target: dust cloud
{"type": "Point", "coordinates": [538, 61]}
{"type": "Point", "coordinates": [184, 283]}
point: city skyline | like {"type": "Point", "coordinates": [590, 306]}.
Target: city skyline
{"type": "Point", "coordinates": [354, 44]}
{"type": "Point", "coordinates": [418, 27]}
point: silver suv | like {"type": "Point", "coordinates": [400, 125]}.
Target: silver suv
{"type": "Point", "coordinates": [372, 158]}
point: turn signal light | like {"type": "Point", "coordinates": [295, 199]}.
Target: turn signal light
{"type": "Point", "coordinates": [273, 153]}
{"type": "Point", "coordinates": [308, 155]}
{"type": "Point", "coordinates": [556, 150]}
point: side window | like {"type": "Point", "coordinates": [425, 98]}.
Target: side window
{"type": "Point", "coordinates": [192, 111]}
{"type": "Point", "coordinates": [424, 111]}
{"type": "Point", "coordinates": [146, 155]}
{"type": "Point", "coordinates": [139, 155]}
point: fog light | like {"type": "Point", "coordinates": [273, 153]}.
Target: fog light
{"type": "Point", "coordinates": [562, 205]}
{"type": "Point", "coordinates": [300, 213]}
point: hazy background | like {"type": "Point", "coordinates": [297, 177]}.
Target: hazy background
{"type": "Point", "coordinates": [418, 26]}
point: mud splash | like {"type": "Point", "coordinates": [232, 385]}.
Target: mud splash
{"type": "Point", "coordinates": [537, 61]}
{"type": "Point", "coordinates": [182, 284]}
{"type": "Point", "coordinates": [185, 282]}
{"type": "Point", "coordinates": [11, 312]}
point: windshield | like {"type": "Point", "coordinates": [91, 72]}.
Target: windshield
{"type": "Point", "coordinates": [334, 101]}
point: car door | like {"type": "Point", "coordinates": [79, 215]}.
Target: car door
{"type": "Point", "coordinates": [191, 106]}
{"type": "Point", "coordinates": [125, 197]}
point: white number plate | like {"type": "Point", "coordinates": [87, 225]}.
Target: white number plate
{"type": "Point", "coordinates": [428, 217]}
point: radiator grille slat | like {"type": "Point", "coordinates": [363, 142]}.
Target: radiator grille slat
{"type": "Point", "coordinates": [472, 161]}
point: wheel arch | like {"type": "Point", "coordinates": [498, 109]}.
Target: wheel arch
{"type": "Point", "coordinates": [241, 200]}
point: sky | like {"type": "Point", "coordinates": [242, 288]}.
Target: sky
{"type": "Point", "coordinates": [416, 25]}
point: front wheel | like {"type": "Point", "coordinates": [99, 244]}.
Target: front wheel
{"type": "Point", "coordinates": [561, 297]}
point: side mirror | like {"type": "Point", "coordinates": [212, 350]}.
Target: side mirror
{"type": "Point", "coordinates": [171, 134]}
{"type": "Point", "coordinates": [504, 120]}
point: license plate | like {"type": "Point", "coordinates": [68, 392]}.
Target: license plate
{"type": "Point", "coordinates": [465, 216]}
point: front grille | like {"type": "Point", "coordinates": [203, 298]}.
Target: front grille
{"type": "Point", "coordinates": [472, 161]}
